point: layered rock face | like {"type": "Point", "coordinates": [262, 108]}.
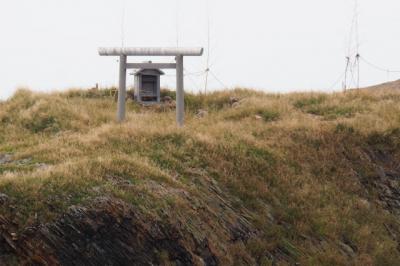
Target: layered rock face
{"type": "Point", "coordinates": [109, 233]}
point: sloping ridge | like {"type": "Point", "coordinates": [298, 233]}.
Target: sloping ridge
{"type": "Point", "coordinates": [391, 85]}
{"type": "Point", "coordinates": [311, 179]}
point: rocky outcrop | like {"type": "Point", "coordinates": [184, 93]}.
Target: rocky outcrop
{"type": "Point", "coordinates": [5, 158]}
{"type": "Point", "coordinates": [110, 232]}
{"type": "Point", "coordinates": [384, 178]}
{"type": "Point", "coordinates": [201, 113]}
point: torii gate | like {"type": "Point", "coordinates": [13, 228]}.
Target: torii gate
{"type": "Point", "coordinates": [179, 53]}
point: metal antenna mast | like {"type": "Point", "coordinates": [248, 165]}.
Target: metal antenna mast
{"type": "Point", "coordinates": [207, 71]}
{"type": "Point", "coordinates": [357, 59]}
{"type": "Point", "coordinates": [353, 54]}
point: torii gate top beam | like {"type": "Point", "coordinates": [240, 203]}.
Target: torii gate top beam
{"type": "Point", "coordinates": [150, 51]}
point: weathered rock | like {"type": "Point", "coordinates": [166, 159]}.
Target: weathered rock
{"type": "Point", "coordinates": [7, 244]}
{"type": "Point", "coordinates": [201, 113]}
{"type": "Point", "coordinates": [386, 181]}
{"type": "Point", "coordinates": [236, 105]}
{"type": "Point", "coordinates": [5, 158]}
{"type": "Point", "coordinates": [42, 166]}
{"type": "Point", "coordinates": [109, 233]}
{"type": "Point", "coordinates": [23, 161]}
{"type": "Point", "coordinates": [4, 199]}
{"type": "Point", "coordinates": [233, 100]}
{"type": "Point", "coordinates": [347, 249]}
{"type": "Point", "coordinates": [167, 99]}
{"type": "Point", "coordinates": [171, 104]}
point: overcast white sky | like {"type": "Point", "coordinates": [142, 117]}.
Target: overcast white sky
{"type": "Point", "coordinates": [283, 45]}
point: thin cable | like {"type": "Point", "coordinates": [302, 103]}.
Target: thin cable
{"type": "Point", "coordinates": [378, 67]}
{"type": "Point", "coordinates": [192, 80]}
{"type": "Point", "coordinates": [351, 34]}
{"type": "Point", "coordinates": [356, 25]}
{"type": "Point", "coordinates": [199, 73]}
{"type": "Point", "coordinates": [194, 83]}
{"type": "Point", "coordinates": [123, 23]}
{"type": "Point", "coordinates": [345, 73]}
{"type": "Point", "coordinates": [337, 81]}
{"type": "Point", "coordinates": [177, 22]}
{"type": "Point", "coordinates": [217, 79]}
{"type": "Point", "coordinates": [352, 77]}
{"type": "Point", "coordinates": [190, 76]}
{"type": "Point", "coordinates": [196, 74]}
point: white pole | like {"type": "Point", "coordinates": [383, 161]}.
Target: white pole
{"type": "Point", "coordinates": [122, 89]}
{"type": "Point", "coordinates": [180, 102]}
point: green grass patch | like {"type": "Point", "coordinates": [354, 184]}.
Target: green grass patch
{"type": "Point", "coordinates": [43, 124]}
{"type": "Point", "coordinates": [241, 113]}
{"type": "Point", "coordinates": [331, 112]}
{"type": "Point", "coordinates": [344, 128]}
{"type": "Point", "coordinates": [311, 101]}
{"type": "Point", "coordinates": [320, 106]}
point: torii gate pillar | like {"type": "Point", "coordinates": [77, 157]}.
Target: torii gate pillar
{"type": "Point", "coordinates": [122, 89]}
{"type": "Point", "coordinates": [179, 53]}
{"type": "Point", "coordinates": [180, 93]}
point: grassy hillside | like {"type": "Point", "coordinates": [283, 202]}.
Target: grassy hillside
{"type": "Point", "coordinates": [275, 179]}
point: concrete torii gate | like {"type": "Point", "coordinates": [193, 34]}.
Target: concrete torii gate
{"type": "Point", "coordinates": [123, 53]}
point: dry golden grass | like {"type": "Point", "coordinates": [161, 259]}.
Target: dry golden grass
{"type": "Point", "coordinates": [292, 161]}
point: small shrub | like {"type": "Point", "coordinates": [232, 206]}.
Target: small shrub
{"type": "Point", "coordinates": [343, 128]}
{"type": "Point", "coordinates": [195, 102]}
{"type": "Point", "coordinates": [300, 104]}
{"type": "Point", "coordinates": [5, 119]}
{"type": "Point", "coordinates": [268, 115]}
{"type": "Point", "coordinates": [161, 140]}
{"type": "Point", "coordinates": [317, 106]}
{"type": "Point", "coordinates": [331, 112]}
{"type": "Point", "coordinates": [213, 101]}
{"type": "Point", "coordinates": [258, 153]}
{"type": "Point", "coordinates": [239, 114]}
{"type": "Point", "coordinates": [381, 141]}
{"type": "Point", "coordinates": [41, 124]}
{"type": "Point", "coordinates": [169, 93]}
{"type": "Point", "coordinates": [92, 93]}
{"type": "Point", "coordinates": [192, 102]}
{"type": "Point", "coordinates": [218, 102]}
